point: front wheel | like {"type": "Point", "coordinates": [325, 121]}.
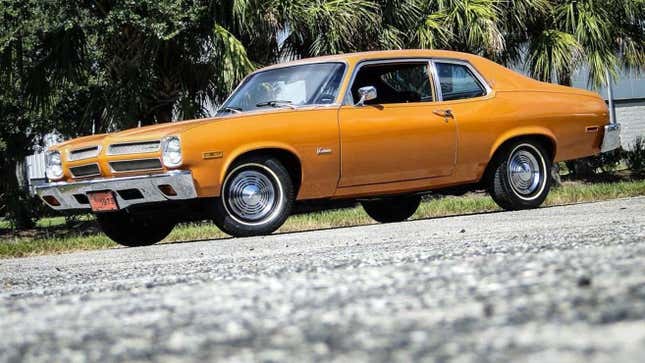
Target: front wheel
{"type": "Point", "coordinates": [134, 230]}
{"type": "Point", "coordinates": [394, 209]}
{"type": "Point", "coordinates": [257, 197]}
{"type": "Point", "coordinates": [521, 176]}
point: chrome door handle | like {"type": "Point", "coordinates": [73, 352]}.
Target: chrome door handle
{"type": "Point", "coordinates": [444, 113]}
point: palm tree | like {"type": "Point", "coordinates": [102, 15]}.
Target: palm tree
{"type": "Point", "coordinates": [603, 35]}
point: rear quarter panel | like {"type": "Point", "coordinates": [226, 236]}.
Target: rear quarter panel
{"type": "Point", "coordinates": [572, 118]}
{"type": "Point", "coordinates": [573, 122]}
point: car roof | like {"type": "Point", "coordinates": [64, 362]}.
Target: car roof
{"type": "Point", "coordinates": [381, 54]}
{"type": "Point", "coordinates": [497, 76]}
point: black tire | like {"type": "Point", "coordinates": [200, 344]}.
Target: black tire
{"type": "Point", "coordinates": [134, 230]}
{"type": "Point", "coordinates": [521, 176]}
{"type": "Point", "coordinates": [392, 209]}
{"type": "Point", "coordinates": [234, 213]}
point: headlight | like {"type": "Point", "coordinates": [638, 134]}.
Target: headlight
{"type": "Point", "coordinates": [54, 163]}
{"type": "Point", "coordinates": [171, 152]}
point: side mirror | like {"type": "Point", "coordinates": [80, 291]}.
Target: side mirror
{"type": "Point", "coordinates": [367, 93]}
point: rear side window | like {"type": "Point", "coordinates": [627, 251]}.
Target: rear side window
{"type": "Point", "coordinates": [395, 82]}
{"type": "Point", "coordinates": [458, 82]}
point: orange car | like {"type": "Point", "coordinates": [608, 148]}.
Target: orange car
{"type": "Point", "coordinates": [381, 128]}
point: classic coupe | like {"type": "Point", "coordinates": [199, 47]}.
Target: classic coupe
{"type": "Point", "coordinates": [379, 128]}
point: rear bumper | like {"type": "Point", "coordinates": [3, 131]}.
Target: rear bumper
{"type": "Point", "coordinates": [74, 195]}
{"type": "Point", "coordinates": [611, 140]}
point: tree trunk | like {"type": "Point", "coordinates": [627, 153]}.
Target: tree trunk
{"type": "Point", "coordinates": [16, 202]}
{"type": "Point", "coordinates": [164, 113]}
{"type": "Point", "coordinates": [564, 78]}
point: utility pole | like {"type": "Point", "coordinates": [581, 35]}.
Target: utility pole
{"type": "Point", "coordinates": [610, 99]}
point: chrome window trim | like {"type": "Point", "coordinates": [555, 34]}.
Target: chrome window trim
{"type": "Point", "coordinates": [98, 167]}
{"type": "Point", "coordinates": [137, 170]}
{"type": "Point", "coordinates": [482, 81]}
{"type": "Point", "coordinates": [432, 67]}
{"type": "Point", "coordinates": [348, 99]}
{"type": "Point", "coordinates": [97, 148]}
{"type": "Point", "coordinates": [277, 66]}
{"type": "Point", "coordinates": [110, 153]}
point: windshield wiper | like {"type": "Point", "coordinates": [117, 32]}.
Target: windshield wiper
{"type": "Point", "coordinates": [230, 109]}
{"type": "Point", "coordinates": [276, 103]}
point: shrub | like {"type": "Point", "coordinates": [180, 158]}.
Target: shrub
{"type": "Point", "coordinates": [635, 158]}
{"type": "Point", "coordinates": [588, 167]}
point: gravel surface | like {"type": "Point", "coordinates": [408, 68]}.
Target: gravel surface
{"type": "Point", "coordinates": [554, 284]}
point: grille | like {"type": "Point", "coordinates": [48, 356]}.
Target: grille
{"type": "Point", "coordinates": [85, 171]}
{"type": "Point", "coordinates": [135, 165]}
{"type": "Point", "coordinates": [84, 153]}
{"type": "Point", "coordinates": [134, 148]}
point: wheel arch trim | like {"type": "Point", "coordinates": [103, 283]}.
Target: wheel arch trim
{"type": "Point", "coordinates": [524, 132]}
{"type": "Point", "coordinates": [517, 134]}
{"type": "Point", "coordinates": [248, 149]}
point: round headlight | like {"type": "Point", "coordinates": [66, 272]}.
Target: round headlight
{"type": "Point", "coordinates": [172, 152]}
{"type": "Point", "coordinates": [54, 170]}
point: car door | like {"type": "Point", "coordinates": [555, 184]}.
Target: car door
{"type": "Point", "coordinates": [401, 135]}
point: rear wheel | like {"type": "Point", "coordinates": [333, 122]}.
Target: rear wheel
{"type": "Point", "coordinates": [394, 209]}
{"type": "Point", "coordinates": [257, 197]}
{"type": "Point", "coordinates": [134, 230]}
{"type": "Point", "coordinates": [521, 176]}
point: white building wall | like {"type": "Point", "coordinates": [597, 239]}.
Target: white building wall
{"type": "Point", "coordinates": [631, 116]}
{"type": "Point", "coordinates": [36, 166]}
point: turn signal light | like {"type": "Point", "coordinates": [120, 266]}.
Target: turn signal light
{"type": "Point", "coordinates": [168, 190]}
{"type": "Point", "coordinates": [51, 200]}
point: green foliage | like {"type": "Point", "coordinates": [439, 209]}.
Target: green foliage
{"type": "Point", "coordinates": [602, 33]}
{"type": "Point", "coordinates": [553, 52]}
{"type": "Point", "coordinates": [635, 157]}
{"type": "Point", "coordinates": [104, 65]}
{"type": "Point", "coordinates": [588, 167]}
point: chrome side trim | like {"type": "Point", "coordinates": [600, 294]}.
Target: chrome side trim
{"type": "Point", "coordinates": [180, 180]}
{"type": "Point", "coordinates": [611, 139]}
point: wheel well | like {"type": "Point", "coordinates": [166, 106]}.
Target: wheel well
{"type": "Point", "coordinates": [287, 158]}
{"type": "Point", "coordinates": [543, 140]}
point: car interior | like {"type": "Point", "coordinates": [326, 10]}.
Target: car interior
{"type": "Point", "coordinates": [410, 82]}
{"type": "Point", "coordinates": [395, 83]}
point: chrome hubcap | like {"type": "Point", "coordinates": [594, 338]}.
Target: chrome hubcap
{"type": "Point", "coordinates": [251, 195]}
{"type": "Point", "coordinates": [524, 172]}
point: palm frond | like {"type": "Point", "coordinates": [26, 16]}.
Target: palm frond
{"type": "Point", "coordinates": [551, 53]}
{"type": "Point", "coordinates": [474, 25]}
{"type": "Point", "coordinates": [433, 33]}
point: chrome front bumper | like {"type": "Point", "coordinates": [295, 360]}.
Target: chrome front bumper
{"type": "Point", "coordinates": [149, 187]}
{"type": "Point", "coordinates": [611, 140]}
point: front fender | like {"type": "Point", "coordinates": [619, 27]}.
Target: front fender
{"type": "Point", "coordinates": [247, 148]}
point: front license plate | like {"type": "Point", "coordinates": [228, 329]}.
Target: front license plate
{"type": "Point", "coordinates": [102, 201]}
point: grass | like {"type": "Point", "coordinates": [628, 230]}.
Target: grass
{"type": "Point", "coordinates": [91, 239]}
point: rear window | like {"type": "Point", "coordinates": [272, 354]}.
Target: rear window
{"type": "Point", "coordinates": [458, 82]}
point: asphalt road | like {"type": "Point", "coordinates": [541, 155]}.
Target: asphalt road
{"type": "Point", "coordinates": [554, 284]}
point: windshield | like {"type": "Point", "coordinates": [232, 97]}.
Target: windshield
{"type": "Point", "coordinates": [307, 84]}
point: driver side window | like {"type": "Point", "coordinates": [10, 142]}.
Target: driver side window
{"type": "Point", "coordinates": [395, 82]}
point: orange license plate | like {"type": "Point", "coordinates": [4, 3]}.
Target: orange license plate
{"type": "Point", "coordinates": [102, 201]}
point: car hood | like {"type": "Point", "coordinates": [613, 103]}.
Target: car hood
{"type": "Point", "coordinates": [153, 132]}
{"type": "Point", "coordinates": [159, 131]}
